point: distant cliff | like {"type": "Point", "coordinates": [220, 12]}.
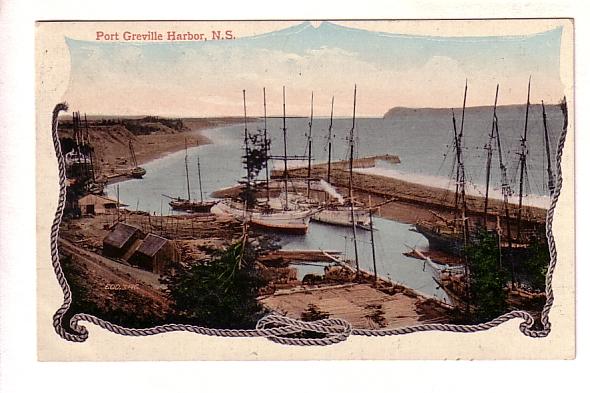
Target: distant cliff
{"type": "Point", "coordinates": [404, 111]}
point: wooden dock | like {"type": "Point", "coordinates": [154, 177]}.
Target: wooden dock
{"type": "Point", "coordinates": [300, 256]}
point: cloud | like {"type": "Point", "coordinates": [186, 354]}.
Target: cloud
{"type": "Point", "coordinates": [207, 80]}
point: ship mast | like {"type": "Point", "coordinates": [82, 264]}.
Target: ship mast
{"type": "Point", "coordinates": [350, 165]}
{"type": "Point", "coordinates": [89, 148]}
{"type": "Point", "coordinates": [199, 175]}
{"type": "Point", "coordinates": [461, 198]}
{"type": "Point", "coordinates": [285, 173]}
{"type": "Point", "coordinates": [505, 194]}
{"type": "Point", "coordinates": [188, 184]}
{"type": "Point", "coordinates": [330, 140]}
{"type": "Point", "coordinates": [266, 147]}
{"type": "Point", "coordinates": [309, 147]}
{"type": "Point", "coordinates": [460, 201]}
{"type": "Point", "coordinates": [523, 154]}
{"type": "Point", "coordinates": [132, 151]}
{"type": "Point", "coordinates": [550, 179]}
{"type": "Point", "coordinates": [460, 175]}
{"type": "Point", "coordinates": [461, 164]}
{"type": "Point", "coordinates": [505, 185]}
{"type": "Point", "coordinates": [456, 137]}
{"type": "Point", "coordinates": [489, 148]}
{"type": "Point", "coordinates": [246, 142]}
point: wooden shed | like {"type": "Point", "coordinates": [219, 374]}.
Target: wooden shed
{"type": "Point", "coordinates": [96, 204]}
{"type": "Point", "coordinates": [155, 254]}
{"type": "Point", "coordinates": [120, 240]}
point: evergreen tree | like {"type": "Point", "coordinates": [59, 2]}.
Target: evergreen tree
{"type": "Point", "coordinates": [536, 264]}
{"type": "Point", "coordinates": [487, 277]}
{"type": "Point", "coordinates": [221, 293]}
{"type": "Point", "coordinates": [254, 160]}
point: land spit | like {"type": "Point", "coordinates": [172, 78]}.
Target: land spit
{"type": "Point", "coordinates": [411, 201]}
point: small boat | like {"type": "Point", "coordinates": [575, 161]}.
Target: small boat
{"type": "Point", "coordinates": [340, 215]}
{"type": "Point", "coordinates": [190, 205]}
{"type": "Point", "coordinates": [137, 172]}
{"type": "Point", "coordinates": [334, 213]}
{"type": "Point", "coordinates": [337, 212]}
{"type": "Point", "coordinates": [75, 157]}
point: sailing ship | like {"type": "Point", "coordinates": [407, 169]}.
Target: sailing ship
{"type": "Point", "coordinates": [273, 214]}
{"type": "Point", "coordinates": [337, 212]}
{"type": "Point", "coordinates": [269, 218]}
{"type": "Point", "coordinates": [190, 205]}
{"type": "Point", "coordinates": [77, 156]}
{"type": "Point", "coordinates": [450, 235]}
{"type": "Point", "coordinates": [137, 171]}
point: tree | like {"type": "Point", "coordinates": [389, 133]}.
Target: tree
{"type": "Point", "coordinates": [536, 264]}
{"type": "Point", "coordinates": [221, 293]}
{"type": "Point", "coordinates": [487, 277]}
{"type": "Point", "coordinates": [254, 160]}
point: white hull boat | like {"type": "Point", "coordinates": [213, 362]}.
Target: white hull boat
{"type": "Point", "coordinates": [296, 221]}
{"type": "Point", "coordinates": [340, 215]}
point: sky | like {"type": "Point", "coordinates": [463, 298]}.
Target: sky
{"type": "Point", "coordinates": [390, 69]}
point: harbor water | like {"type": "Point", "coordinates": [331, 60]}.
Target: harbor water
{"type": "Point", "coordinates": [423, 141]}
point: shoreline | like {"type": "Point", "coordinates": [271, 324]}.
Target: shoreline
{"type": "Point", "coordinates": [111, 145]}
{"type": "Point", "coordinates": [413, 201]}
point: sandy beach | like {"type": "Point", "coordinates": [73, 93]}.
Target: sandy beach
{"type": "Point", "coordinates": [111, 141]}
{"type": "Point", "coordinates": [412, 201]}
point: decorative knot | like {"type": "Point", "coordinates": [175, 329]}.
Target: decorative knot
{"type": "Point", "coordinates": [294, 332]}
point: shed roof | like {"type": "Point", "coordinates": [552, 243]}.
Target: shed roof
{"type": "Point", "coordinates": [120, 235]}
{"type": "Point", "coordinates": [152, 244]}
{"type": "Point", "coordinates": [92, 199]}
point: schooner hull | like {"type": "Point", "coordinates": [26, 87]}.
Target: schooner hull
{"type": "Point", "coordinates": [192, 206]}
{"type": "Point", "coordinates": [293, 228]}
{"type": "Point", "coordinates": [296, 222]}
{"type": "Point", "coordinates": [138, 172]}
{"type": "Point", "coordinates": [453, 244]}
{"type": "Point", "coordinates": [443, 242]}
{"type": "Point", "coordinates": [341, 217]}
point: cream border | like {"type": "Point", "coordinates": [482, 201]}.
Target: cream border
{"type": "Point", "coordinates": [505, 341]}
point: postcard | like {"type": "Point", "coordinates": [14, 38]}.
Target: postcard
{"type": "Point", "coordinates": [324, 189]}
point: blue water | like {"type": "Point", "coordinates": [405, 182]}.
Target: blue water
{"type": "Point", "coordinates": [391, 240]}
{"type": "Point", "coordinates": [421, 139]}
{"type": "Point", "coordinates": [220, 167]}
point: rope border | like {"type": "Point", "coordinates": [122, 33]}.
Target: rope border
{"type": "Point", "coordinates": [276, 327]}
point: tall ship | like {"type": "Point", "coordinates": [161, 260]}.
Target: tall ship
{"type": "Point", "coordinates": [137, 171]}
{"type": "Point", "coordinates": [190, 205]}
{"type": "Point", "coordinates": [275, 214]}
{"type": "Point", "coordinates": [337, 211]}
{"type": "Point", "coordinates": [451, 234]}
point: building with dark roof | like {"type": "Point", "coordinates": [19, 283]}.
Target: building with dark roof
{"type": "Point", "coordinates": [155, 254]}
{"type": "Point", "coordinates": [120, 240]}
